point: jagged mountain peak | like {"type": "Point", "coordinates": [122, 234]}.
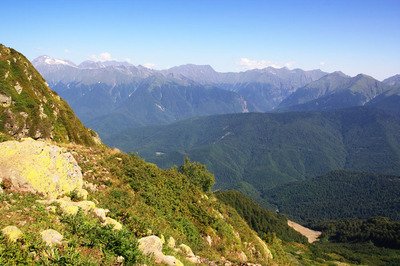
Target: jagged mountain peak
{"type": "Point", "coordinates": [393, 81]}
{"type": "Point", "coordinates": [47, 60]}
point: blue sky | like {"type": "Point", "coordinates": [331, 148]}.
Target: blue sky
{"type": "Point", "coordinates": [352, 36]}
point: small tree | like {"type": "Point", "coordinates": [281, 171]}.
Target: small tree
{"type": "Point", "coordinates": [198, 174]}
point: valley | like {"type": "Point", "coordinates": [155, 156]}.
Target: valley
{"type": "Point", "coordinates": [209, 133]}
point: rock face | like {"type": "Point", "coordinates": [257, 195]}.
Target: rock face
{"type": "Point", "coordinates": [38, 167]}
{"type": "Point", "coordinates": [152, 246]}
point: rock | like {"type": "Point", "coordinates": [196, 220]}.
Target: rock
{"type": "Point", "coordinates": [82, 193]}
{"type": "Point", "coordinates": [171, 242]}
{"type": "Point", "coordinates": [85, 205]}
{"type": "Point", "coordinates": [171, 260]}
{"type": "Point", "coordinates": [38, 167]}
{"type": "Point", "coordinates": [5, 100]}
{"type": "Point", "coordinates": [115, 224]}
{"type": "Point", "coordinates": [89, 186]}
{"type": "Point", "coordinates": [120, 259]}
{"type": "Point", "coordinates": [18, 88]}
{"type": "Point", "coordinates": [186, 250]}
{"type": "Point", "coordinates": [209, 240]}
{"type": "Point", "coordinates": [71, 207]}
{"type": "Point", "coordinates": [12, 233]}
{"type": "Point", "coordinates": [152, 246]}
{"type": "Point", "coordinates": [51, 237]}
{"type": "Point", "coordinates": [242, 256]}
{"type": "Point", "coordinates": [101, 214]}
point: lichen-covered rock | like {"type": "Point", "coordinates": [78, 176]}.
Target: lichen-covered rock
{"type": "Point", "coordinates": [51, 237]}
{"type": "Point", "coordinates": [115, 224]}
{"type": "Point", "coordinates": [70, 207]}
{"type": "Point", "coordinates": [5, 100]}
{"type": "Point", "coordinates": [152, 246]}
{"type": "Point", "coordinates": [12, 233]}
{"type": "Point", "coordinates": [186, 250]}
{"type": "Point", "coordinates": [171, 242]}
{"type": "Point", "coordinates": [38, 167]}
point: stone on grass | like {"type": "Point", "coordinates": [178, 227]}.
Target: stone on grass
{"type": "Point", "coordinates": [12, 233]}
{"type": "Point", "coordinates": [100, 213]}
{"type": "Point", "coordinates": [115, 224]}
{"type": "Point", "coordinates": [152, 246]}
{"type": "Point", "coordinates": [171, 242]}
{"type": "Point", "coordinates": [51, 237]}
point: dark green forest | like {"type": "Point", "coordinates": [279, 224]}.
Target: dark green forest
{"type": "Point", "coordinates": [339, 194]}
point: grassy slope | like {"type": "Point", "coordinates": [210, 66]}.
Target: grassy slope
{"type": "Point", "coordinates": [48, 116]}
{"type": "Point", "coordinates": [263, 221]}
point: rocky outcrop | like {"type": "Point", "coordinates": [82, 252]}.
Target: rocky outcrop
{"type": "Point", "coordinates": [39, 167]}
{"type": "Point", "coordinates": [152, 246]}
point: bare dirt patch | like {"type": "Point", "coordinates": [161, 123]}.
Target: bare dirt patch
{"type": "Point", "coordinates": [311, 235]}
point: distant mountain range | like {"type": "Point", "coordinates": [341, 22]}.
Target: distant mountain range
{"type": "Point", "coordinates": [114, 96]}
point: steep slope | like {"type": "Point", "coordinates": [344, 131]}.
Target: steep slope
{"type": "Point", "coordinates": [393, 81]}
{"type": "Point", "coordinates": [52, 212]}
{"type": "Point", "coordinates": [255, 152]}
{"type": "Point", "coordinates": [53, 198]}
{"type": "Point", "coordinates": [263, 221]}
{"type": "Point", "coordinates": [157, 100]}
{"type": "Point", "coordinates": [110, 96]}
{"type": "Point", "coordinates": [334, 91]}
{"type": "Point", "coordinates": [29, 108]}
{"type": "Point", "coordinates": [388, 101]}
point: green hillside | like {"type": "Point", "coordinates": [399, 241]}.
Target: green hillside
{"type": "Point", "coordinates": [263, 221]}
{"type": "Point", "coordinates": [255, 152]}
{"type": "Point", "coordinates": [29, 108]}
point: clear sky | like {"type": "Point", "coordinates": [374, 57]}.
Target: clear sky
{"type": "Point", "coordinates": [355, 36]}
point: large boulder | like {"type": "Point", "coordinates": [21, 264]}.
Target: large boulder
{"type": "Point", "coordinates": [38, 167]}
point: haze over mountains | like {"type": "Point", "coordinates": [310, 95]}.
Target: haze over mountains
{"type": "Point", "coordinates": [113, 96]}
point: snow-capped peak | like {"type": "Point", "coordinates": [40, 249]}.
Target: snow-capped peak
{"type": "Point", "coordinates": [47, 60]}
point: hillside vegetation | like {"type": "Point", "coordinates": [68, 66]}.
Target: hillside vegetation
{"type": "Point", "coordinates": [265, 222]}
{"type": "Point", "coordinates": [256, 152]}
{"type": "Point", "coordinates": [29, 108]}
